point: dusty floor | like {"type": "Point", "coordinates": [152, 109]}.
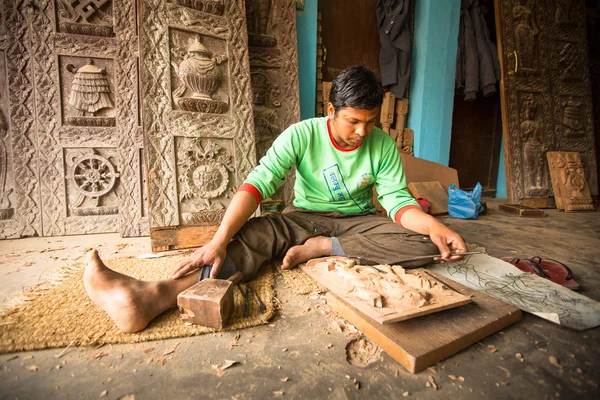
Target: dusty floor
{"type": "Point", "coordinates": [301, 354]}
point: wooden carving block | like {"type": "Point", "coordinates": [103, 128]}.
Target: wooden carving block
{"type": "Point", "coordinates": [420, 170]}
{"type": "Point", "coordinates": [208, 303]}
{"type": "Point", "coordinates": [408, 139]}
{"type": "Point", "coordinates": [434, 192]}
{"type": "Point", "coordinates": [325, 93]}
{"type": "Point", "coordinates": [387, 111]}
{"type": "Point", "coordinates": [400, 122]}
{"type": "Point", "coordinates": [574, 190]}
{"type": "Point", "coordinates": [376, 305]}
{"type": "Point", "coordinates": [522, 211]}
{"type": "Point", "coordinates": [554, 178]}
{"type": "Point", "coordinates": [394, 134]}
{"type": "Point", "coordinates": [401, 106]}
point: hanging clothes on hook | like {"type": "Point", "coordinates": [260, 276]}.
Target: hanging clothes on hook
{"type": "Point", "coordinates": [477, 64]}
{"type": "Point", "coordinates": [396, 45]}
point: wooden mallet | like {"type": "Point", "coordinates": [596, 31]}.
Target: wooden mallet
{"type": "Point", "coordinates": [208, 302]}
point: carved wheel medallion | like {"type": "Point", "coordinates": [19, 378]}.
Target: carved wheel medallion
{"type": "Point", "coordinates": [210, 179]}
{"type": "Point", "coordinates": [93, 175]}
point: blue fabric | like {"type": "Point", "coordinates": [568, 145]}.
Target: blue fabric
{"type": "Point", "coordinates": [336, 248]}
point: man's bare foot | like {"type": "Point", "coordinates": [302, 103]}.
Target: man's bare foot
{"type": "Point", "coordinates": [318, 246]}
{"type": "Point", "coordinates": [130, 302]}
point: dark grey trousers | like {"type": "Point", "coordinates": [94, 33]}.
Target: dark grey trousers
{"type": "Point", "coordinates": [373, 239]}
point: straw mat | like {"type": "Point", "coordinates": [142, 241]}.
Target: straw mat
{"type": "Point", "coordinates": [60, 313]}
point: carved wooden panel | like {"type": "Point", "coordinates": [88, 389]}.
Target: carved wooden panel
{"type": "Point", "coordinates": [546, 94]}
{"type": "Point", "coordinates": [197, 111]}
{"type": "Point", "coordinates": [21, 207]}
{"type": "Point", "coordinates": [274, 73]}
{"type": "Point", "coordinates": [80, 168]}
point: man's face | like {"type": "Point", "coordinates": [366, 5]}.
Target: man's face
{"type": "Point", "coordinates": [350, 126]}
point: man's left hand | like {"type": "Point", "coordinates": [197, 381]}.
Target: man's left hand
{"type": "Point", "coordinates": [447, 241]}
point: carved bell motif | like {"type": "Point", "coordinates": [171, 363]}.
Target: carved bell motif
{"type": "Point", "coordinates": [90, 91]}
{"type": "Point", "coordinates": [199, 71]}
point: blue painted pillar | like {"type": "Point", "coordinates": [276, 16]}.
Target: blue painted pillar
{"type": "Point", "coordinates": [432, 77]}
{"type": "Point", "coordinates": [501, 181]}
{"type": "Point", "coordinates": [306, 31]}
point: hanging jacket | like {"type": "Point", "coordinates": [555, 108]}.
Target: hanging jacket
{"type": "Point", "coordinates": [396, 45]}
{"type": "Point", "coordinates": [477, 65]}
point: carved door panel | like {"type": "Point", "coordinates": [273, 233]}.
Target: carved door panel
{"type": "Point", "coordinates": [545, 91]}
{"type": "Point", "coordinates": [19, 194]}
{"type": "Point", "coordinates": [197, 115]}
{"type": "Point", "coordinates": [274, 74]}
{"type": "Point", "coordinates": [73, 120]}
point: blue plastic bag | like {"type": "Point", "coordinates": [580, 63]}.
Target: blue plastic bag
{"type": "Point", "coordinates": [464, 205]}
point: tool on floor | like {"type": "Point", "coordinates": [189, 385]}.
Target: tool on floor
{"type": "Point", "coordinates": [466, 253]}
{"type": "Point", "coordinates": [246, 300]}
{"type": "Point", "coordinates": [209, 302]}
{"type": "Point", "coordinates": [259, 303]}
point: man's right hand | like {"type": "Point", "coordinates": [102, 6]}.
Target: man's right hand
{"type": "Point", "coordinates": [211, 254]}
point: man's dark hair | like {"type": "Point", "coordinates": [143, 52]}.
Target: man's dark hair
{"type": "Point", "coordinates": [356, 87]}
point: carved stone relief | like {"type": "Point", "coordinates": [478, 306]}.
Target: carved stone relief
{"type": "Point", "coordinates": [274, 67]}
{"type": "Point", "coordinates": [85, 17]}
{"type": "Point", "coordinates": [197, 108]}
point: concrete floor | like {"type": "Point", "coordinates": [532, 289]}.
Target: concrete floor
{"type": "Point", "coordinates": [301, 353]}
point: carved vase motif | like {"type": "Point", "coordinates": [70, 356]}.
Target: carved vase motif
{"type": "Point", "coordinates": [200, 74]}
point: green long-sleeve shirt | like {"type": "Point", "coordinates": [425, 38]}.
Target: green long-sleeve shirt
{"type": "Point", "coordinates": [331, 179]}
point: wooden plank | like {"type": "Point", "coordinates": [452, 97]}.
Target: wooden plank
{"type": "Point", "coordinates": [432, 191]}
{"type": "Point", "coordinates": [178, 237]}
{"type": "Point", "coordinates": [420, 170]}
{"type": "Point", "coordinates": [419, 343]}
{"type": "Point", "coordinates": [522, 211]}
{"type": "Point", "coordinates": [385, 315]}
{"type": "Point", "coordinates": [538, 202]}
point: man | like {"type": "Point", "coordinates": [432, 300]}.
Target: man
{"type": "Point", "coordinates": [338, 159]}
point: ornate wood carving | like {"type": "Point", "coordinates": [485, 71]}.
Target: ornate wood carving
{"type": "Point", "coordinates": [74, 122]}
{"type": "Point", "coordinates": [568, 181]}
{"type": "Point", "coordinates": [16, 91]}
{"type": "Point", "coordinates": [547, 99]}
{"type": "Point", "coordinates": [85, 17]}
{"type": "Point", "coordinates": [195, 158]}
{"type": "Point", "coordinates": [274, 70]}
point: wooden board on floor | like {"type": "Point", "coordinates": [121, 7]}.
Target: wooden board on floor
{"type": "Point", "coordinates": [522, 211]}
{"type": "Point", "coordinates": [385, 315]}
{"type": "Point", "coordinates": [421, 342]}
{"type": "Point", "coordinates": [432, 191]}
